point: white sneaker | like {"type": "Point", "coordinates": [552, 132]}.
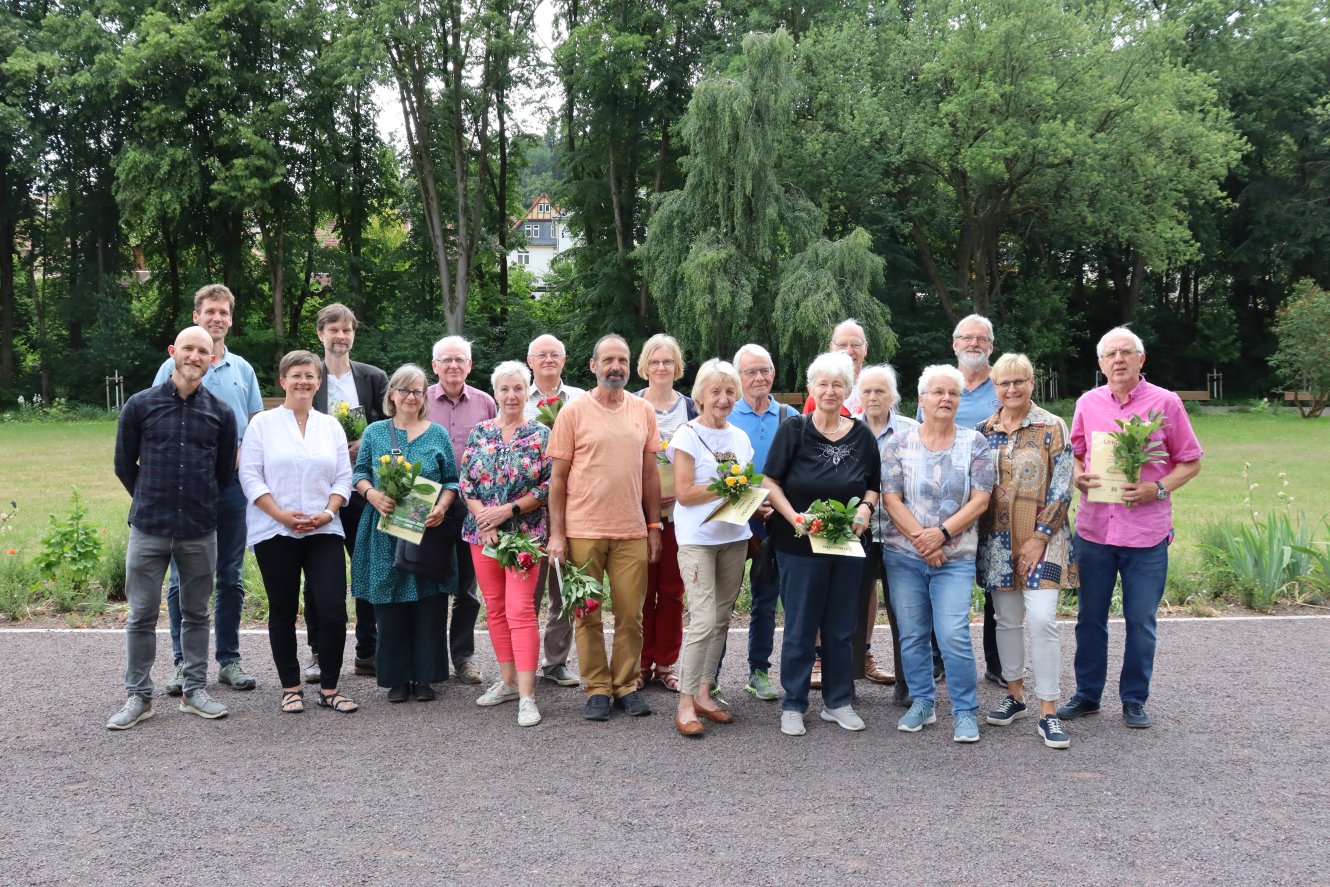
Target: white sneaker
{"type": "Point", "coordinates": [844, 716]}
{"type": "Point", "coordinates": [527, 713]}
{"type": "Point", "coordinates": [497, 694]}
{"type": "Point", "coordinates": [792, 723]}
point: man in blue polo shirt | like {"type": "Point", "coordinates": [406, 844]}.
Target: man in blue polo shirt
{"type": "Point", "coordinates": [231, 378]}
{"type": "Point", "coordinates": [757, 414]}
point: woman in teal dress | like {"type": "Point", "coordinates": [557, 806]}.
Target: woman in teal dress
{"type": "Point", "coordinates": [411, 612]}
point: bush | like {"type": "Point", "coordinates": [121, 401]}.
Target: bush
{"type": "Point", "coordinates": [111, 570]}
{"type": "Point", "coordinates": [19, 583]}
{"type": "Point", "coordinates": [71, 549]}
{"type": "Point", "coordinates": [1303, 357]}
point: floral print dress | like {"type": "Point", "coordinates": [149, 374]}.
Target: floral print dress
{"type": "Point", "coordinates": [1032, 497]}
{"type": "Point", "coordinates": [495, 472]}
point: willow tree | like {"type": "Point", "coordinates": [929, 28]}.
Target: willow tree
{"type": "Point", "coordinates": [736, 256]}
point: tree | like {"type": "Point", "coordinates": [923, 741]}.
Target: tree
{"type": "Point", "coordinates": [1303, 357]}
{"type": "Point", "coordinates": [736, 255]}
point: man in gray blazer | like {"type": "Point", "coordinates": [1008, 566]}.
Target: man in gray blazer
{"type": "Point", "coordinates": [362, 386]}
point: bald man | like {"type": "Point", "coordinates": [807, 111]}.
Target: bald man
{"type": "Point", "coordinates": [847, 338]}
{"type": "Point", "coordinates": [175, 451]}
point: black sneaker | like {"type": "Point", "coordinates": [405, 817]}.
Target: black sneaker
{"type": "Point", "coordinates": [1077, 707]}
{"type": "Point", "coordinates": [994, 677]}
{"type": "Point", "coordinates": [1050, 728]}
{"type": "Point", "coordinates": [1133, 715]}
{"type": "Point", "coordinates": [597, 708]}
{"type": "Point", "coordinates": [1011, 709]}
{"type": "Point", "coordinates": [633, 704]}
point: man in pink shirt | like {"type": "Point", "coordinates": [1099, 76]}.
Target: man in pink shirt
{"type": "Point", "coordinates": [604, 516]}
{"type": "Point", "coordinates": [458, 407]}
{"type": "Point", "coordinates": [1128, 539]}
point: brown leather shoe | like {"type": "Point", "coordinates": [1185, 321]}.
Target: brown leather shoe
{"type": "Point", "coordinates": [691, 728]}
{"type": "Point", "coordinates": [815, 682]}
{"type": "Point", "coordinates": [715, 716]}
{"type": "Point", "coordinates": [876, 674]}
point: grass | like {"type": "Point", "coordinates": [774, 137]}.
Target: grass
{"type": "Point", "coordinates": [42, 460]}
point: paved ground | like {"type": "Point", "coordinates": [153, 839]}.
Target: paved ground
{"type": "Point", "coordinates": [1232, 786]}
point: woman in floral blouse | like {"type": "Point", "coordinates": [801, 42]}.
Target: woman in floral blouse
{"type": "Point", "coordinates": [505, 480]}
{"type": "Point", "coordinates": [1025, 554]}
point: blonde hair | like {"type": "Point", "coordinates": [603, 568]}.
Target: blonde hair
{"type": "Point", "coordinates": [1009, 363]}
{"type": "Point", "coordinates": [510, 368]}
{"type": "Point", "coordinates": [215, 292]}
{"type": "Point", "coordinates": [400, 379]}
{"type": "Point", "coordinates": [656, 342]}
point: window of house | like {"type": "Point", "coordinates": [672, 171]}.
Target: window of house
{"type": "Point", "coordinates": [523, 257]}
{"type": "Point", "coordinates": [543, 208]}
{"type": "Point", "coordinates": [532, 230]}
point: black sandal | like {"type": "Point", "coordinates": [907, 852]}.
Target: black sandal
{"type": "Point", "coordinates": [338, 703]}
{"type": "Point", "coordinates": [293, 697]}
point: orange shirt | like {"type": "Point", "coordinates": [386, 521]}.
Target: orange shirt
{"type": "Point", "coordinates": [605, 446]}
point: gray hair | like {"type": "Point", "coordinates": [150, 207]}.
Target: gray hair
{"type": "Point", "coordinates": [451, 340]}
{"type": "Point", "coordinates": [835, 364]}
{"type": "Point", "coordinates": [974, 318]}
{"type": "Point", "coordinates": [713, 369]}
{"type": "Point", "coordinates": [940, 369]}
{"type": "Point", "coordinates": [510, 368]}
{"type": "Point", "coordinates": [847, 322]}
{"type": "Point", "coordinates": [404, 375]}
{"type": "Point", "coordinates": [1119, 331]}
{"type": "Point", "coordinates": [887, 372]}
{"type": "Point", "coordinates": [755, 350]}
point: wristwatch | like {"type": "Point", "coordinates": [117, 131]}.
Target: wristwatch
{"type": "Point", "coordinates": [1163, 493]}
{"type": "Point", "coordinates": [517, 509]}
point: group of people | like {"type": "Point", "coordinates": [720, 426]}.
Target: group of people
{"type": "Point", "coordinates": [976, 488]}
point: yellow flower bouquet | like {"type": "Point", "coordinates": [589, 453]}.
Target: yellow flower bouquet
{"type": "Point", "coordinates": [733, 480]}
{"type": "Point", "coordinates": [397, 477]}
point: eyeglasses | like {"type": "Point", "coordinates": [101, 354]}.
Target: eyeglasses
{"type": "Point", "coordinates": [1119, 352]}
{"type": "Point", "coordinates": [757, 371]}
{"type": "Point", "coordinates": [1010, 383]}
{"type": "Point", "coordinates": [451, 361]}
{"type": "Point", "coordinates": [978, 340]}
{"type": "Point", "coordinates": [943, 392]}
{"type": "Point", "coordinates": [416, 393]}
{"type": "Point", "coordinates": [545, 355]}
{"type": "Point", "coordinates": [666, 364]}
{"type": "Point", "coordinates": [853, 343]}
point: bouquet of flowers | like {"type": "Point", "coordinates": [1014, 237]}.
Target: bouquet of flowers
{"type": "Point", "coordinates": [1132, 447]}
{"type": "Point", "coordinates": [547, 411]}
{"type": "Point", "coordinates": [733, 480]}
{"type": "Point", "coordinates": [397, 478]}
{"type": "Point", "coordinates": [582, 594]}
{"type": "Point", "coordinates": [828, 519]}
{"type": "Point", "coordinates": [515, 551]}
{"type": "Point", "coordinates": [351, 419]}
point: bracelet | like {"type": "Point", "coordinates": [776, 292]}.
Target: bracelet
{"type": "Point", "coordinates": [653, 526]}
{"type": "Point", "coordinates": [945, 534]}
{"type": "Point", "coordinates": [328, 512]}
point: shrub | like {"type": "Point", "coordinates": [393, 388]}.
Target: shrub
{"type": "Point", "coordinates": [1303, 356]}
{"type": "Point", "coordinates": [71, 549]}
{"type": "Point", "coordinates": [18, 585]}
{"type": "Point", "coordinates": [111, 569]}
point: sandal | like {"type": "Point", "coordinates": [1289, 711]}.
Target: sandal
{"type": "Point", "coordinates": [338, 703]}
{"type": "Point", "coordinates": [643, 678]}
{"type": "Point", "coordinates": [669, 678]}
{"type": "Point", "coordinates": [293, 703]}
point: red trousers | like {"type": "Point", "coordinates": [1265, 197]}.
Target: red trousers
{"type": "Point", "coordinates": [662, 611]}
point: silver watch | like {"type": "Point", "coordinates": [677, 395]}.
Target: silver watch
{"type": "Point", "coordinates": [1163, 493]}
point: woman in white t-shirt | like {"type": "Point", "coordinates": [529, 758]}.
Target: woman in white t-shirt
{"type": "Point", "coordinates": [711, 553]}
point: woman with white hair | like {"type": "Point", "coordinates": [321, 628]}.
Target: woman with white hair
{"type": "Point", "coordinates": [879, 394]}
{"type": "Point", "coordinates": [505, 482]}
{"type": "Point", "coordinates": [1025, 553]}
{"type": "Point", "coordinates": [711, 553]}
{"type": "Point", "coordinates": [936, 482]}
{"type": "Point", "coordinates": [821, 455]}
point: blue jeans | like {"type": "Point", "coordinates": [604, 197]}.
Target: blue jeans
{"type": "Point", "coordinates": [229, 598]}
{"type": "Point", "coordinates": [934, 600]}
{"type": "Point", "coordinates": [820, 591]}
{"type": "Point", "coordinates": [762, 617]}
{"type": "Point", "coordinates": [1143, 572]}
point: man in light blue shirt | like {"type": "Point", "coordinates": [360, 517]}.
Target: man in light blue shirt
{"type": "Point", "coordinates": [758, 415]}
{"type": "Point", "coordinates": [232, 379]}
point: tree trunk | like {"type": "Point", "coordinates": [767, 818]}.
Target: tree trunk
{"type": "Point", "coordinates": [500, 107]}
{"type": "Point", "coordinates": [8, 246]}
{"type": "Point", "coordinates": [273, 233]}
{"type": "Point", "coordinates": [455, 307]}
{"type": "Point", "coordinates": [173, 282]}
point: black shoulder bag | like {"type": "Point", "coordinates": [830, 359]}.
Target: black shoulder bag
{"type": "Point", "coordinates": [433, 558]}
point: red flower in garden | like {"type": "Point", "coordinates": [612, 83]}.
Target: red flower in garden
{"type": "Point", "coordinates": [11, 551]}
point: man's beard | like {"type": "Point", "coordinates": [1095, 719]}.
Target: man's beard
{"type": "Point", "coordinates": [971, 363]}
{"type": "Point", "coordinates": [614, 383]}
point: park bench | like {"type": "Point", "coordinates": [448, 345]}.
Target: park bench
{"type": "Point", "coordinates": [1193, 395]}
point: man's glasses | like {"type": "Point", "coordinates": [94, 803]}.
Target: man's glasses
{"type": "Point", "coordinates": [753, 372]}
{"type": "Point", "coordinates": [1120, 352]}
{"type": "Point", "coordinates": [978, 340]}
{"type": "Point", "coordinates": [545, 355]}
{"type": "Point", "coordinates": [449, 361]}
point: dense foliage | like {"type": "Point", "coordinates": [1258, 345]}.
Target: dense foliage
{"type": "Point", "coordinates": [733, 172]}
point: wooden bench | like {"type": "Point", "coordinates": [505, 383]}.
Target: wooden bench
{"type": "Point", "coordinates": [270, 402]}
{"type": "Point", "coordinates": [793, 398]}
{"type": "Point", "coordinates": [1298, 397]}
{"type": "Point", "coordinates": [1193, 395]}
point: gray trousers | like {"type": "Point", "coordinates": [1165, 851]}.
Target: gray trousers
{"type": "Point", "coordinates": [1038, 607]}
{"type": "Point", "coordinates": [558, 631]}
{"type": "Point", "coordinates": [145, 568]}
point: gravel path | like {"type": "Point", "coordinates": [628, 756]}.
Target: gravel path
{"type": "Point", "coordinates": [1232, 786]}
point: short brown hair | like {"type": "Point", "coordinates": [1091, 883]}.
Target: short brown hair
{"type": "Point", "coordinates": [298, 358]}
{"type": "Point", "coordinates": [214, 292]}
{"type": "Point", "coordinates": [335, 313]}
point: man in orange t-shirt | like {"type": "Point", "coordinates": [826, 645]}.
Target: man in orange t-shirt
{"type": "Point", "coordinates": [604, 512]}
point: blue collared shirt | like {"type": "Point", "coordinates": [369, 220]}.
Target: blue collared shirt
{"type": "Point", "coordinates": [233, 380]}
{"type": "Point", "coordinates": [761, 429]}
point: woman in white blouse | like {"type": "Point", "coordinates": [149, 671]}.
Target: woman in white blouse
{"type": "Point", "coordinates": [296, 473]}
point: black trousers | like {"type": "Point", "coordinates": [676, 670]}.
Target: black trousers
{"type": "Point", "coordinates": [411, 647]}
{"type": "Point", "coordinates": [366, 633]}
{"type": "Point", "coordinates": [282, 560]}
{"type": "Point", "coordinates": [992, 661]}
{"type": "Point", "coordinates": [465, 609]}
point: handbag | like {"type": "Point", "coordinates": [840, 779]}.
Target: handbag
{"type": "Point", "coordinates": [764, 568]}
{"type": "Point", "coordinates": [433, 558]}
